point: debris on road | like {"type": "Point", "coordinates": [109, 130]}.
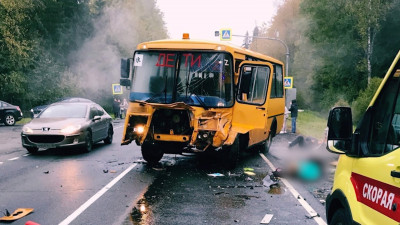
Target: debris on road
{"type": "Point", "coordinates": [46, 172]}
{"type": "Point", "coordinates": [267, 218]}
{"type": "Point", "coordinates": [311, 217]}
{"type": "Point", "coordinates": [249, 173]}
{"type": "Point", "coordinates": [17, 214]}
{"type": "Point", "coordinates": [215, 175]}
{"type": "Point", "coordinates": [31, 223]}
{"type": "Point", "coordinates": [105, 171]}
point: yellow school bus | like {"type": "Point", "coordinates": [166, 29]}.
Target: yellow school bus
{"type": "Point", "coordinates": [201, 96]}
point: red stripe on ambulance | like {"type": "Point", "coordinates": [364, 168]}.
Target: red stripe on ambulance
{"type": "Point", "coordinates": [377, 195]}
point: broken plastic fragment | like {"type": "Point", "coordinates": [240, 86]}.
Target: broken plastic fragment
{"type": "Point", "coordinates": [17, 214]}
{"type": "Point", "coordinates": [249, 173]}
{"type": "Point", "coordinates": [215, 175]}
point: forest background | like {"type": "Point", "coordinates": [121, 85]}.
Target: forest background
{"type": "Point", "coordinates": [50, 49]}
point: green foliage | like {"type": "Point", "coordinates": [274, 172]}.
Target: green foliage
{"type": "Point", "coordinates": [364, 98]}
{"type": "Point", "coordinates": [311, 124]}
{"type": "Point", "coordinates": [45, 46]}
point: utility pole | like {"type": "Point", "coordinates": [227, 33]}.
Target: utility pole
{"type": "Point", "coordinates": [272, 39]}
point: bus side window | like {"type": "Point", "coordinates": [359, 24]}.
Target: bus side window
{"type": "Point", "coordinates": [253, 84]}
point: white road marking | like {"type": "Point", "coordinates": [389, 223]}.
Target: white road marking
{"type": "Point", "coordinates": [119, 127]}
{"type": "Point", "coordinates": [26, 155]}
{"type": "Point", "coordinates": [89, 202]}
{"type": "Point", "coordinates": [296, 194]}
{"type": "Point", "coordinates": [12, 159]}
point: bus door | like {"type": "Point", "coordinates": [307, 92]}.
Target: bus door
{"type": "Point", "coordinates": [250, 112]}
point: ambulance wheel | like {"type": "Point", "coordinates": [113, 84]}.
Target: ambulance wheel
{"type": "Point", "coordinates": [340, 218]}
{"type": "Point", "coordinates": [151, 153]}
{"type": "Point", "coordinates": [231, 154]}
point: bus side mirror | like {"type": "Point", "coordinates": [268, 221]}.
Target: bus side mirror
{"type": "Point", "coordinates": [125, 82]}
{"type": "Point", "coordinates": [125, 68]}
{"type": "Point", "coordinates": [340, 130]}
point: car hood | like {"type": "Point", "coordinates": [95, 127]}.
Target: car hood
{"type": "Point", "coordinates": [54, 123]}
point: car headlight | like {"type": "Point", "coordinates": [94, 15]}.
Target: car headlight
{"type": "Point", "coordinates": [70, 129]}
{"type": "Point", "coordinates": [27, 130]}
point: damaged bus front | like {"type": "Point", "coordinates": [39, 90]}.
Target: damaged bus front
{"type": "Point", "coordinates": [183, 100]}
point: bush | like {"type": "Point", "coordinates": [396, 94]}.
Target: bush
{"type": "Point", "coordinates": [364, 98]}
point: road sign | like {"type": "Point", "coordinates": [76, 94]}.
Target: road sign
{"type": "Point", "coordinates": [117, 89]}
{"type": "Point", "coordinates": [226, 34]}
{"type": "Point", "coordinates": [288, 82]}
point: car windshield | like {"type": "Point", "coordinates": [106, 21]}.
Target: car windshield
{"type": "Point", "coordinates": [65, 111]}
{"type": "Point", "coordinates": [196, 78]}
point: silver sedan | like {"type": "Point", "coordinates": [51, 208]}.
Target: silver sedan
{"type": "Point", "coordinates": [67, 124]}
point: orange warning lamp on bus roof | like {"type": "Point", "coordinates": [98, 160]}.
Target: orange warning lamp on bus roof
{"type": "Point", "coordinates": [185, 36]}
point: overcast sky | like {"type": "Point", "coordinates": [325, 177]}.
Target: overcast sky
{"type": "Point", "coordinates": [201, 18]}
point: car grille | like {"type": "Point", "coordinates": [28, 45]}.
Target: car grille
{"type": "Point", "coordinates": [46, 138]}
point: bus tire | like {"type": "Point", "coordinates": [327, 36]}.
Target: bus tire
{"type": "Point", "coordinates": [151, 153]}
{"type": "Point", "coordinates": [231, 154]}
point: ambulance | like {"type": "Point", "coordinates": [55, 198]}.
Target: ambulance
{"type": "Point", "coordinates": [366, 188]}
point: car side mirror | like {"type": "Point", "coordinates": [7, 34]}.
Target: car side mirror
{"type": "Point", "coordinates": [96, 118]}
{"type": "Point", "coordinates": [340, 130]}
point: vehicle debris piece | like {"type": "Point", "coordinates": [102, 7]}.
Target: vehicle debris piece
{"type": "Point", "coordinates": [267, 218]}
{"type": "Point", "coordinates": [249, 173]}
{"type": "Point", "coordinates": [105, 171]}
{"type": "Point", "coordinates": [248, 169]}
{"type": "Point", "coordinates": [31, 223]}
{"type": "Point", "coordinates": [46, 172]}
{"type": "Point", "coordinates": [312, 216]}
{"type": "Point", "coordinates": [17, 214]}
{"type": "Point", "coordinates": [215, 175]}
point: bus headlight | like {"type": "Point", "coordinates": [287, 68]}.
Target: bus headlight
{"type": "Point", "coordinates": [139, 129]}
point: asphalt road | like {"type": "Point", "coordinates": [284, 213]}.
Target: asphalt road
{"type": "Point", "coordinates": [113, 185]}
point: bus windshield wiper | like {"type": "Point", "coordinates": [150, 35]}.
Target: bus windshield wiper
{"type": "Point", "coordinates": [202, 103]}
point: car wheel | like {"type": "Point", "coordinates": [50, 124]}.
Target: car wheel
{"type": "Point", "coordinates": [9, 119]}
{"type": "Point", "coordinates": [32, 150]}
{"type": "Point", "coordinates": [88, 142]}
{"type": "Point", "coordinates": [152, 153]}
{"type": "Point", "coordinates": [340, 218]}
{"type": "Point", "coordinates": [110, 134]}
{"type": "Point", "coordinates": [231, 154]}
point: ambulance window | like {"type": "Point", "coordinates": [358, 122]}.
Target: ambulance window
{"type": "Point", "coordinates": [385, 126]}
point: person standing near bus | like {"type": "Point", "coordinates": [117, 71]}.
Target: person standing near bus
{"type": "Point", "coordinates": [116, 107]}
{"type": "Point", "coordinates": [293, 113]}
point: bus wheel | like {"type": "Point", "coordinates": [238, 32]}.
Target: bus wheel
{"type": "Point", "coordinates": [231, 154]}
{"type": "Point", "coordinates": [340, 218]}
{"type": "Point", "coordinates": [152, 153]}
{"type": "Point", "coordinates": [264, 148]}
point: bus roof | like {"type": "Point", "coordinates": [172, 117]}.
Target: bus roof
{"type": "Point", "coordinates": [186, 44]}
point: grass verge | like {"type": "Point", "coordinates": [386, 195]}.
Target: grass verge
{"type": "Point", "coordinates": [309, 124]}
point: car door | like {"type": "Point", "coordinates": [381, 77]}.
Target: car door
{"type": "Point", "coordinates": [251, 109]}
{"type": "Point", "coordinates": [376, 175]}
{"type": "Point", "coordinates": [103, 123]}
{"type": "Point", "coordinates": [1, 110]}
{"type": "Point", "coordinates": [94, 124]}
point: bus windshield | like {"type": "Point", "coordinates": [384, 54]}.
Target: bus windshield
{"type": "Point", "coordinates": [196, 78]}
